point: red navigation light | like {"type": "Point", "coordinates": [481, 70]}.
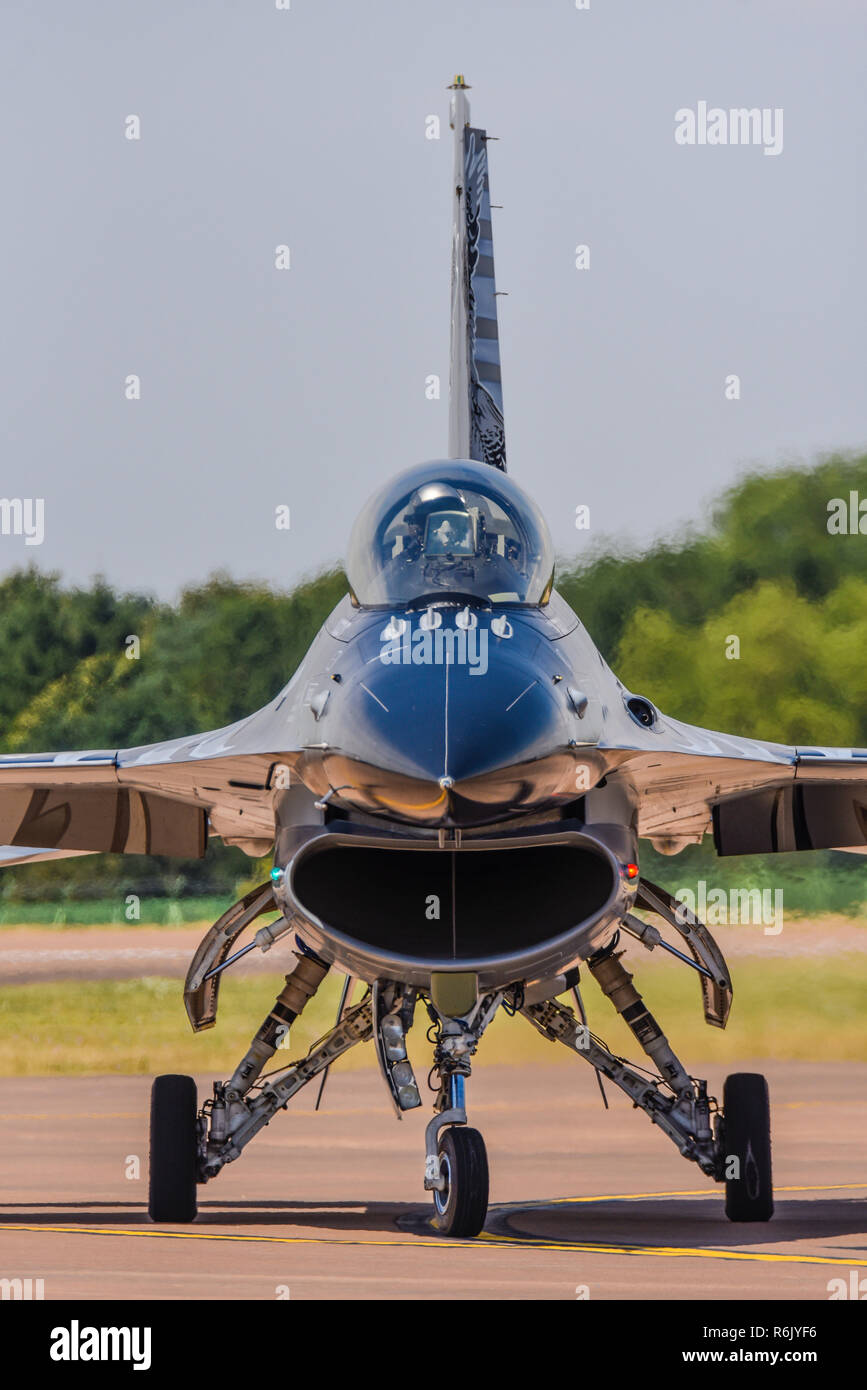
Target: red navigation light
{"type": "Point", "coordinates": [630, 871]}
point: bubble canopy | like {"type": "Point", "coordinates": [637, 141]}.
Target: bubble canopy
{"type": "Point", "coordinates": [450, 528]}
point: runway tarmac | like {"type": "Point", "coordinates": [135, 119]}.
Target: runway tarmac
{"type": "Point", "coordinates": [584, 1203]}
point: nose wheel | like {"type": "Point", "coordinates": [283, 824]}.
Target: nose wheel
{"type": "Point", "coordinates": [461, 1205]}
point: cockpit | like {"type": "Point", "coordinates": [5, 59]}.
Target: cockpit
{"type": "Point", "coordinates": [450, 529]}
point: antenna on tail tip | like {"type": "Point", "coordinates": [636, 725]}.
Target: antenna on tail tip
{"type": "Point", "coordinates": [458, 84]}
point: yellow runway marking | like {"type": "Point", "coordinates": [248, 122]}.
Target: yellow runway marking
{"type": "Point", "coordinates": [217, 1235]}
{"type": "Point", "coordinates": [687, 1192]}
{"type": "Point", "coordinates": [485, 1241]}
{"type": "Point", "coordinates": [672, 1252]}
{"type": "Point", "coordinates": [669, 1251]}
{"type": "Point", "coordinates": [491, 1241]}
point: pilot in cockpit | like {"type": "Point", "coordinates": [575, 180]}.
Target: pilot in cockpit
{"type": "Point", "coordinates": [448, 541]}
{"type": "Point", "coordinates": [449, 533]}
{"type": "Point", "coordinates": [468, 533]}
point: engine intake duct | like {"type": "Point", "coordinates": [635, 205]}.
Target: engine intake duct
{"type": "Point", "coordinates": [458, 905]}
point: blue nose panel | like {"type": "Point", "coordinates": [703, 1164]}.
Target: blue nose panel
{"type": "Point", "coordinates": [457, 720]}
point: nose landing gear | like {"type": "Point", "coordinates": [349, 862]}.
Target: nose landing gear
{"type": "Point", "coordinates": [456, 1167]}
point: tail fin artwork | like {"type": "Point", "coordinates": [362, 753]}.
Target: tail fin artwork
{"type": "Point", "coordinates": [476, 429]}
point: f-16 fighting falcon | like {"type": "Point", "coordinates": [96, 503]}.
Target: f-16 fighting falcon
{"type": "Point", "coordinates": [453, 785]}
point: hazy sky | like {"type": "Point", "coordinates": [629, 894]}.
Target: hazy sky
{"type": "Point", "coordinates": [306, 387]}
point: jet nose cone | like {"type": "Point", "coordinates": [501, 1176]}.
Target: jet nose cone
{"type": "Point", "coordinates": [504, 718]}
{"type": "Point", "coordinates": [467, 719]}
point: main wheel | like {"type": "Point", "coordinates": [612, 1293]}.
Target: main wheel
{"type": "Point", "coordinates": [462, 1205]}
{"type": "Point", "coordinates": [747, 1138]}
{"type": "Point", "coordinates": [172, 1187]}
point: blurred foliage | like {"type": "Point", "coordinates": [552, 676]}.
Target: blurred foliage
{"type": "Point", "coordinates": [45, 631]}
{"type": "Point", "coordinates": [765, 570]}
{"type": "Point", "coordinates": [223, 651]}
{"type": "Point", "coordinates": [115, 911]}
{"type": "Point", "coordinates": [771, 525]}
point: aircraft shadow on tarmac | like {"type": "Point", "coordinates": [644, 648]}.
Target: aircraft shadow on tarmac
{"type": "Point", "coordinates": [347, 1216]}
{"type": "Point", "coordinates": [655, 1222]}
{"type": "Point", "coordinates": [678, 1221]}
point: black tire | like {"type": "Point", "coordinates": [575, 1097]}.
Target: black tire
{"type": "Point", "coordinates": [747, 1137]}
{"type": "Point", "coordinates": [173, 1157]}
{"type": "Point", "coordinates": [461, 1209]}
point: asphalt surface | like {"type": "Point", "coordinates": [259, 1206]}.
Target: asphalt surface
{"type": "Point", "coordinates": [330, 1205]}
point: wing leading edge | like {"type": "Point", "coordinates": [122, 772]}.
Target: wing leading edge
{"type": "Point", "coordinates": [754, 797]}
{"type": "Point", "coordinates": [163, 798]}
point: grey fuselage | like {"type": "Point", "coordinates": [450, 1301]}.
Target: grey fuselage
{"type": "Point", "coordinates": [466, 740]}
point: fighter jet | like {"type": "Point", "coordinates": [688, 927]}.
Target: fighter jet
{"type": "Point", "coordinates": [453, 785]}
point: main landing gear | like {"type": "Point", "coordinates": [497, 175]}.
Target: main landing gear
{"type": "Point", "coordinates": [746, 1140]}
{"type": "Point", "coordinates": [732, 1145]}
{"type": "Point", "coordinates": [173, 1149]}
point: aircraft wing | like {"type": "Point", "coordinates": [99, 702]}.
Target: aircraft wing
{"type": "Point", "coordinates": [32, 854]}
{"type": "Point", "coordinates": [162, 798]}
{"type": "Point", "coordinates": [754, 797]}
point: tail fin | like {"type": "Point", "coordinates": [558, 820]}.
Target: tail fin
{"type": "Point", "coordinates": [476, 429]}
